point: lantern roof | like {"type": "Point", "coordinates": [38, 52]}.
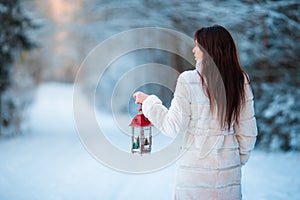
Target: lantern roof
{"type": "Point", "coordinates": [140, 120]}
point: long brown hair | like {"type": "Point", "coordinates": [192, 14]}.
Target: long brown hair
{"type": "Point", "coordinates": [222, 76]}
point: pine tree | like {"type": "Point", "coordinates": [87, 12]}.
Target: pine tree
{"type": "Point", "coordinates": [138, 142]}
{"type": "Point", "coordinates": [14, 25]}
{"type": "Point", "coordinates": [146, 142]}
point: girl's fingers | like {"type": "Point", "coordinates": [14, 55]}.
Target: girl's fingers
{"type": "Point", "coordinates": [135, 95]}
{"type": "Point", "coordinates": [139, 97]}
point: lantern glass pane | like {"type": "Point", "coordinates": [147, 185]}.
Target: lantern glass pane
{"type": "Point", "coordinates": [141, 140]}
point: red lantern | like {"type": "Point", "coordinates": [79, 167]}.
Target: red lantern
{"type": "Point", "coordinates": [141, 138]}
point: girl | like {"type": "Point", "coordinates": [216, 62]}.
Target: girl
{"type": "Point", "coordinates": [213, 108]}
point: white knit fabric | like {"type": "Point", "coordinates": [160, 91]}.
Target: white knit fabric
{"type": "Point", "coordinates": [211, 165]}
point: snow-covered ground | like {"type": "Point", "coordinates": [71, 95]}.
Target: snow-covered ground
{"type": "Point", "coordinates": [49, 162]}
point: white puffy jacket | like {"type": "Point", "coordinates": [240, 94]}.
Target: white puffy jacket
{"type": "Point", "coordinates": [211, 166]}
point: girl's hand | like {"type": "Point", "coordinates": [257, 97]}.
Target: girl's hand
{"type": "Point", "coordinates": [140, 97]}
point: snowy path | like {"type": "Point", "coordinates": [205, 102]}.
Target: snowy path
{"type": "Point", "coordinates": [49, 162]}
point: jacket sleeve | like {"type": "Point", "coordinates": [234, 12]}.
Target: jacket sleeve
{"type": "Point", "coordinates": [246, 129]}
{"type": "Point", "coordinates": [176, 119]}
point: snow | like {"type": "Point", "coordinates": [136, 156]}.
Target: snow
{"type": "Point", "coordinates": [49, 162]}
